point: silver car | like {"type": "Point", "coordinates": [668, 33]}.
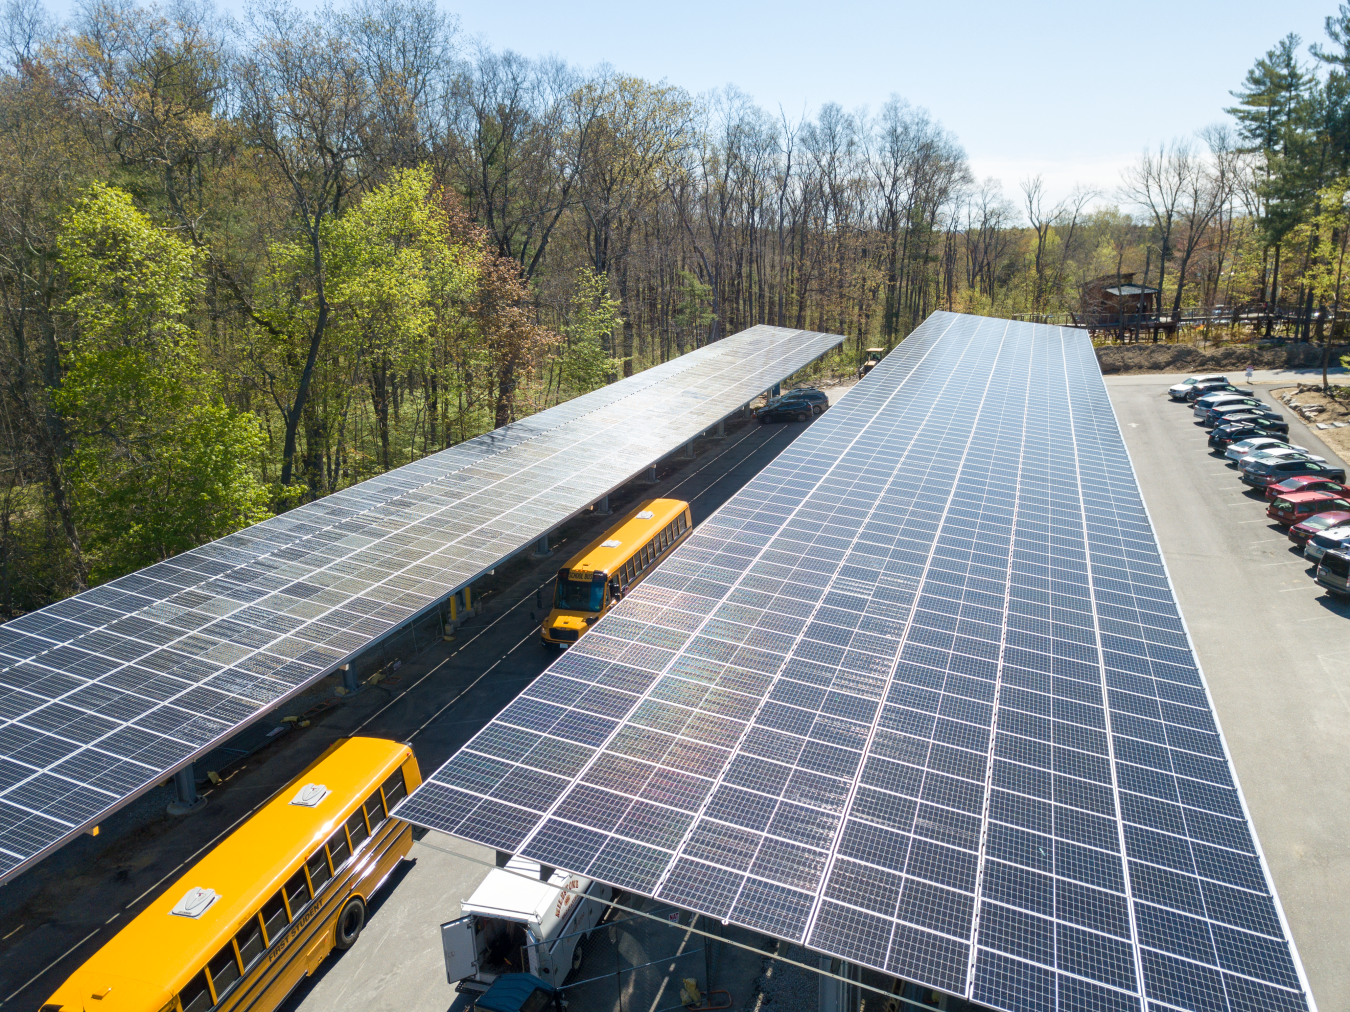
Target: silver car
{"type": "Point", "coordinates": [1280, 453]}
{"type": "Point", "coordinates": [1324, 540]}
{"type": "Point", "coordinates": [1203, 405]}
{"type": "Point", "coordinates": [1333, 572]}
{"type": "Point", "coordinates": [1178, 392]}
{"type": "Point", "coordinates": [1236, 451]}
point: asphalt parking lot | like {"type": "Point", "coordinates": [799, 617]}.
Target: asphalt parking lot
{"type": "Point", "coordinates": [1276, 653]}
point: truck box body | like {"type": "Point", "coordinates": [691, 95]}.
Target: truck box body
{"type": "Point", "coordinates": [514, 923]}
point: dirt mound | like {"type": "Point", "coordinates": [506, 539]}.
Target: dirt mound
{"type": "Point", "coordinates": [1167, 358]}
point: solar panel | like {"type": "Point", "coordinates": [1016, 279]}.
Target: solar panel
{"type": "Point", "coordinates": [919, 697]}
{"type": "Point", "coordinates": [105, 694]}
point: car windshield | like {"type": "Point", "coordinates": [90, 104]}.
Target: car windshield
{"type": "Point", "coordinates": [1318, 523]}
{"type": "Point", "coordinates": [579, 595]}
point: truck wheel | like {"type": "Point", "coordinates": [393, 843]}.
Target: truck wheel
{"type": "Point", "coordinates": [349, 923]}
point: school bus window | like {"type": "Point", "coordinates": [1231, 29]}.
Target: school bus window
{"type": "Point", "coordinates": [338, 848]}
{"type": "Point", "coordinates": [319, 872]}
{"type": "Point", "coordinates": [250, 942]}
{"type": "Point", "coordinates": [224, 971]}
{"type": "Point", "coordinates": [274, 918]}
{"type": "Point", "coordinates": [196, 997]}
{"type": "Point", "coordinates": [394, 789]}
{"type": "Point", "coordinates": [374, 811]}
{"type": "Point", "coordinates": [357, 828]}
{"type": "Point", "coordinates": [297, 889]}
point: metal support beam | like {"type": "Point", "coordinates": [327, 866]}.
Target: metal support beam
{"type": "Point", "coordinates": [602, 507]}
{"type": "Point", "coordinates": [541, 549]}
{"type": "Point", "coordinates": [651, 474]}
{"type": "Point", "coordinates": [186, 798]}
{"type": "Point", "coordinates": [721, 429]}
{"type": "Point", "coordinates": [349, 681]}
{"type": "Point", "coordinates": [778, 390]}
{"type": "Point", "coordinates": [688, 450]}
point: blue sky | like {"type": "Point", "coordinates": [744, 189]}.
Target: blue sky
{"type": "Point", "coordinates": [1071, 91]}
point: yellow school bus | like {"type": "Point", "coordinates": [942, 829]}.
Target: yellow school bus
{"type": "Point", "coordinates": [603, 571]}
{"type": "Point", "coordinates": [260, 912]}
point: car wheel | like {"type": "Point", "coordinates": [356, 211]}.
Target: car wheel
{"type": "Point", "coordinates": [349, 923]}
{"type": "Point", "coordinates": [802, 416]}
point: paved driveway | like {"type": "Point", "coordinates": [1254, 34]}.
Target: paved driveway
{"type": "Point", "coordinates": [1276, 653]}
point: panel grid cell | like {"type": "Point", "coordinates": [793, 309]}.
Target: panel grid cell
{"type": "Point", "coordinates": [974, 736]}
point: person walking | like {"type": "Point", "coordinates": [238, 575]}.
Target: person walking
{"type": "Point", "coordinates": [1249, 372]}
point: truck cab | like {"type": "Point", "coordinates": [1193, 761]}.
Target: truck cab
{"type": "Point", "coordinates": [870, 362]}
{"type": "Point", "coordinates": [517, 922]}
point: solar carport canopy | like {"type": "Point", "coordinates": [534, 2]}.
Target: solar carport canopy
{"type": "Point", "coordinates": [920, 697]}
{"type": "Point", "coordinates": [103, 695]}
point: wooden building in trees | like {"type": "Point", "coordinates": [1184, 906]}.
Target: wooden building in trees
{"type": "Point", "coordinates": [1115, 305]}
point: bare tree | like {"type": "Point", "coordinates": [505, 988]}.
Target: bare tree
{"type": "Point", "coordinates": [305, 102]}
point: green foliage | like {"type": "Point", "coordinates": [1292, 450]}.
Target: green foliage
{"type": "Point", "coordinates": [692, 311]}
{"type": "Point", "coordinates": [591, 318]}
{"type": "Point", "coordinates": [158, 463]}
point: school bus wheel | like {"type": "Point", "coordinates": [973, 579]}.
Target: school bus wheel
{"type": "Point", "coordinates": [349, 923]}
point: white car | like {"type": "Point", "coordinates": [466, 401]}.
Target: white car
{"type": "Point", "coordinates": [1178, 392]}
{"type": "Point", "coordinates": [1321, 541]}
{"type": "Point", "coordinates": [1236, 451]}
{"type": "Point", "coordinates": [1280, 454]}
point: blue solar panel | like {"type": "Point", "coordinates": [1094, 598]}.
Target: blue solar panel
{"type": "Point", "coordinates": [920, 697]}
{"type": "Point", "coordinates": [104, 695]}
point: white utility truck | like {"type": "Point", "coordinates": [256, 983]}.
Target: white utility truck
{"type": "Point", "coordinates": [516, 923]}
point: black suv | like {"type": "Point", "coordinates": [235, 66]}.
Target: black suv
{"type": "Point", "coordinates": [1201, 389]}
{"type": "Point", "coordinates": [795, 406]}
{"type": "Point", "coordinates": [1246, 427]}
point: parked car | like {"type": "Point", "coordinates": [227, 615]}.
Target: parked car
{"type": "Point", "coordinates": [1206, 389]}
{"type": "Point", "coordinates": [1180, 390]}
{"type": "Point", "coordinates": [1260, 473]}
{"type": "Point", "coordinates": [1324, 541]}
{"type": "Point", "coordinates": [1307, 483]}
{"type": "Point", "coordinates": [1258, 424]}
{"type": "Point", "coordinates": [1333, 573]}
{"type": "Point", "coordinates": [818, 399]}
{"type": "Point", "coordinates": [1239, 429]}
{"type": "Point", "coordinates": [1247, 447]}
{"type": "Point", "coordinates": [1248, 405]}
{"type": "Point", "coordinates": [1281, 453]}
{"type": "Point", "coordinates": [786, 409]}
{"type": "Point", "coordinates": [1203, 404]}
{"type": "Point", "coordinates": [1315, 524]}
{"type": "Point", "coordinates": [1294, 507]}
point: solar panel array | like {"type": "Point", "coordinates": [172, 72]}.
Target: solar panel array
{"type": "Point", "coordinates": [920, 697]}
{"type": "Point", "coordinates": [105, 694]}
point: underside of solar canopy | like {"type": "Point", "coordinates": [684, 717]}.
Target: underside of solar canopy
{"type": "Point", "coordinates": [104, 695]}
{"type": "Point", "coordinates": [919, 697]}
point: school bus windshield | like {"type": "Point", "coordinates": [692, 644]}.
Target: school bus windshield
{"type": "Point", "coordinates": [580, 595]}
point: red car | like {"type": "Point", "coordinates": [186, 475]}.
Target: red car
{"type": "Point", "coordinates": [1295, 507]}
{"type": "Point", "coordinates": [1306, 483]}
{"type": "Point", "coordinates": [1305, 529]}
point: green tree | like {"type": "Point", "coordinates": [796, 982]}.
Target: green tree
{"type": "Point", "coordinates": [158, 463]}
{"type": "Point", "coordinates": [591, 318]}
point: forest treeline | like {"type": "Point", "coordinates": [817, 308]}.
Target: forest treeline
{"type": "Point", "coordinates": [245, 264]}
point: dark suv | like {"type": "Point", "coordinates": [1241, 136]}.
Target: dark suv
{"type": "Point", "coordinates": [794, 406]}
{"type": "Point", "coordinates": [1235, 428]}
{"type": "Point", "coordinates": [1260, 473]}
